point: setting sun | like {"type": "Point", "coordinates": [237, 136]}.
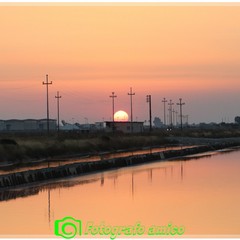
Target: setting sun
{"type": "Point", "coordinates": [120, 116]}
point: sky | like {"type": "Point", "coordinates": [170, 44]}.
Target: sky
{"type": "Point", "coordinates": [173, 51]}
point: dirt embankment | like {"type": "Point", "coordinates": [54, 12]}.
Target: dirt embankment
{"type": "Point", "coordinates": [75, 169]}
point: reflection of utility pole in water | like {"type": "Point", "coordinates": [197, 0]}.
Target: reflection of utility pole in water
{"type": "Point", "coordinates": [49, 207]}
{"type": "Point", "coordinates": [102, 180]}
{"type": "Point", "coordinates": [150, 175]}
{"type": "Point", "coordinates": [132, 186]}
{"type": "Point", "coordinates": [181, 170]}
{"type": "Point", "coordinates": [114, 180]}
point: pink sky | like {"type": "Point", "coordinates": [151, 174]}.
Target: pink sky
{"type": "Point", "coordinates": [190, 52]}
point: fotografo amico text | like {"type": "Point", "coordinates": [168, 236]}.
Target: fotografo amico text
{"type": "Point", "coordinates": [70, 227]}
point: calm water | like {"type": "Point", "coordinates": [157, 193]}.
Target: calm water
{"type": "Point", "coordinates": [203, 195]}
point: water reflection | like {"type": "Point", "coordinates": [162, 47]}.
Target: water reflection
{"type": "Point", "coordinates": [132, 186]}
{"type": "Point", "coordinates": [67, 184]}
{"type": "Point", "coordinates": [102, 179]}
{"type": "Point", "coordinates": [34, 189]}
{"type": "Point", "coordinates": [49, 206]}
{"type": "Point", "coordinates": [181, 170]}
{"type": "Point", "coordinates": [201, 194]}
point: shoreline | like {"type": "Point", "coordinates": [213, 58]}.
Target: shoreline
{"type": "Point", "coordinates": [23, 156]}
{"type": "Point", "coordinates": [86, 157]}
{"type": "Point", "coordinates": [18, 150]}
{"type": "Point", "coordinates": [77, 169]}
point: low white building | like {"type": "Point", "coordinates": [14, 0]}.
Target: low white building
{"type": "Point", "coordinates": [17, 125]}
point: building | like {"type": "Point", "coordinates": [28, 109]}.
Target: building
{"type": "Point", "coordinates": [29, 125]}
{"type": "Point", "coordinates": [124, 127]}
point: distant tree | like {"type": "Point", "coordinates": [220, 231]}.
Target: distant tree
{"type": "Point", "coordinates": [157, 122]}
{"type": "Point", "coordinates": [237, 120]}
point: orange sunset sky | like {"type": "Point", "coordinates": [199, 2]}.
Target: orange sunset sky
{"type": "Point", "coordinates": [189, 51]}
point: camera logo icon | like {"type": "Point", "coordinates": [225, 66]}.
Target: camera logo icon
{"type": "Point", "coordinates": [68, 227]}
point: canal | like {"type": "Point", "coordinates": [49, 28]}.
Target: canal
{"type": "Point", "coordinates": [202, 195]}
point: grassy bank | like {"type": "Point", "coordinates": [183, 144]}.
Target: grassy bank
{"type": "Point", "coordinates": [18, 148]}
{"type": "Point", "coordinates": [28, 148]}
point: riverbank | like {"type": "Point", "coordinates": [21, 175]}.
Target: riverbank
{"type": "Point", "coordinates": [76, 169]}
{"type": "Point", "coordinates": [18, 150]}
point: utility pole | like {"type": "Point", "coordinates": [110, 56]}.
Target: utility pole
{"type": "Point", "coordinates": [173, 114]}
{"type": "Point", "coordinates": [149, 100]}
{"type": "Point", "coordinates": [58, 98]}
{"type": "Point", "coordinates": [131, 94]}
{"type": "Point", "coordinates": [180, 104]}
{"type": "Point", "coordinates": [47, 83]}
{"type": "Point", "coordinates": [164, 109]}
{"type": "Point", "coordinates": [170, 112]}
{"type": "Point", "coordinates": [176, 112]}
{"type": "Point", "coordinates": [113, 96]}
